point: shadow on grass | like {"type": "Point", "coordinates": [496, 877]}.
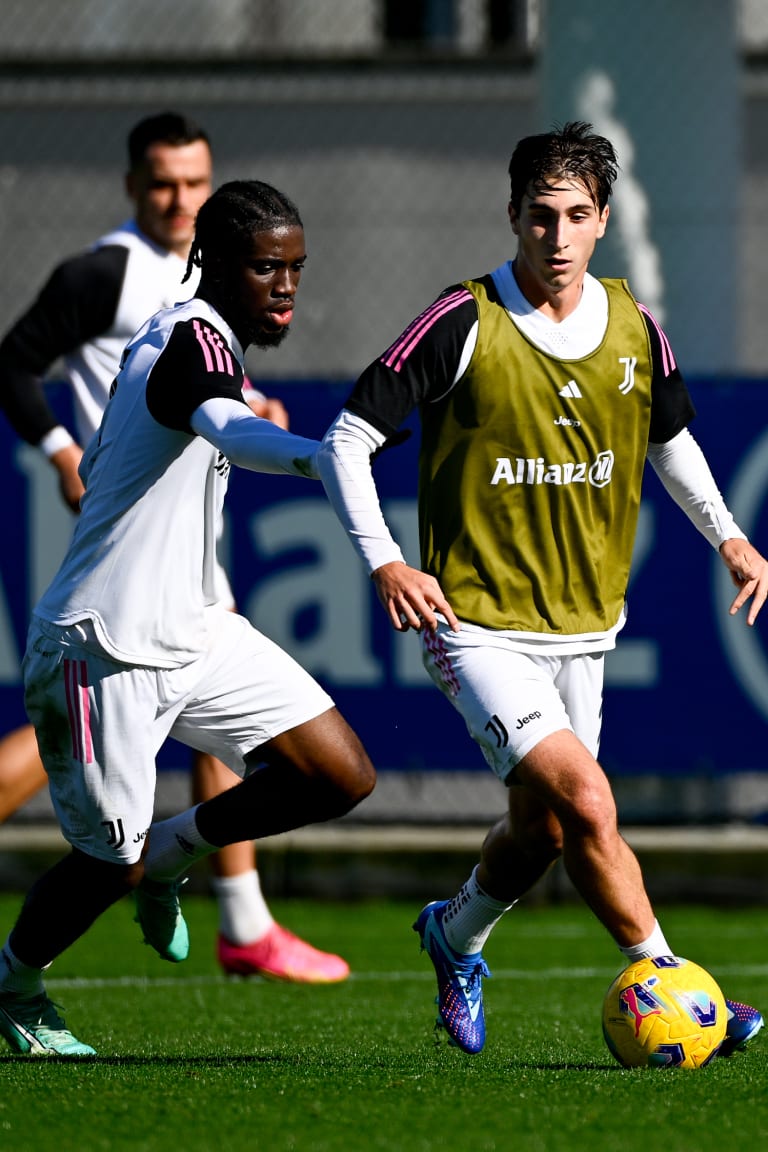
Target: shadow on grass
{"type": "Point", "coordinates": [20, 1061]}
{"type": "Point", "coordinates": [256, 1059]}
{"type": "Point", "coordinates": [563, 1066]}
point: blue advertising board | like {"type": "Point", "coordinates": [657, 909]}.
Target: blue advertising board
{"type": "Point", "coordinates": [686, 689]}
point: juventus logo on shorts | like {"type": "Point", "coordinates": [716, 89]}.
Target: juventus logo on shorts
{"type": "Point", "coordinates": [498, 731]}
{"type": "Point", "coordinates": [116, 837]}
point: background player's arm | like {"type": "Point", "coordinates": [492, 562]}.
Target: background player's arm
{"type": "Point", "coordinates": [77, 303]}
{"type": "Point", "coordinates": [66, 461]}
{"type": "Point", "coordinates": [268, 407]}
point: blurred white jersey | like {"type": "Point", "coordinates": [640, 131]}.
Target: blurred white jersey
{"type": "Point", "coordinates": [150, 280]}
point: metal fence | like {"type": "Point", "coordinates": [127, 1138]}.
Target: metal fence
{"type": "Point", "coordinates": [171, 30]}
{"type": "Point", "coordinates": [47, 31]}
{"type": "Point", "coordinates": [390, 122]}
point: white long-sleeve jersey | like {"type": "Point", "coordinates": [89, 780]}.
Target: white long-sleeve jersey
{"type": "Point", "coordinates": [141, 563]}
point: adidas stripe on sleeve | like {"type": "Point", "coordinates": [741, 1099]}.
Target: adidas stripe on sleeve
{"type": "Point", "coordinates": [671, 405]}
{"type": "Point", "coordinates": [420, 365]}
{"type": "Point", "coordinates": [196, 365]}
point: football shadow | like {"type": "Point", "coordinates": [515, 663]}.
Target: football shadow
{"type": "Point", "coordinates": [566, 1066]}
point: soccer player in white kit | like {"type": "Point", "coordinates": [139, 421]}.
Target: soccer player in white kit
{"type": "Point", "coordinates": [541, 391]}
{"type": "Point", "coordinates": [129, 645]}
{"type": "Point", "coordinates": [87, 311]}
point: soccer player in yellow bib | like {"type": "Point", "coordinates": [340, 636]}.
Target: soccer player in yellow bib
{"type": "Point", "coordinates": [542, 391]}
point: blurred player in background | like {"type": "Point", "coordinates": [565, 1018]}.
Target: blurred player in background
{"type": "Point", "coordinates": [87, 311]}
{"type": "Point", "coordinates": [130, 645]}
{"type": "Point", "coordinates": [542, 391]}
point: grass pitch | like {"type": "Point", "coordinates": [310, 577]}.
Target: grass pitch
{"type": "Point", "coordinates": [191, 1061]}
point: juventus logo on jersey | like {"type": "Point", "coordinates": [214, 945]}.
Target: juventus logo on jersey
{"type": "Point", "coordinates": [628, 382]}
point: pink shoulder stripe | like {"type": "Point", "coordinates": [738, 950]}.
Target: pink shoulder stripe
{"type": "Point", "coordinates": [398, 353]}
{"type": "Point", "coordinates": [667, 355]}
{"type": "Point", "coordinates": [215, 352]}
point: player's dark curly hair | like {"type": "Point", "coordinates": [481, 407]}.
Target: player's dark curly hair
{"type": "Point", "coordinates": [164, 128]}
{"type": "Point", "coordinates": [232, 215]}
{"type": "Point", "coordinates": [573, 152]}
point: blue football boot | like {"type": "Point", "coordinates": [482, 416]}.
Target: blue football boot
{"type": "Point", "coordinates": [744, 1023]}
{"type": "Point", "coordinates": [459, 981]}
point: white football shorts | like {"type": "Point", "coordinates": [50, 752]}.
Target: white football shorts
{"type": "Point", "coordinates": [511, 700]}
{"type": "Point", "coordinates": [100, 723]}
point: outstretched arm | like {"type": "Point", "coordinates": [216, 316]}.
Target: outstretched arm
{"type": "Point", "coordinates": [251, 441]}
{"type": "Point", "coordinates": [268, 407]}
{"type": "Point", "coordinates": [683, 470]}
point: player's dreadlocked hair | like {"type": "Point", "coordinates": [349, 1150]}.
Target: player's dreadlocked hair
{"type": "Point", "coordinates": [232, 215]}
{"type": "Point", "coordinates": [573, 152]}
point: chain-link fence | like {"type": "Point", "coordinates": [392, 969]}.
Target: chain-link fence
{"type": "Point", "coordinates": [390, 122]}
{"type": "Point", "coordinates": [172, 30]}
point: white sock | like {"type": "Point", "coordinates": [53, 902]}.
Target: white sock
{"type": "Point", "coordinates": [655, 945]}
{"type": "Point", "coordinates": [174, 845]}
{"type": "Point", "coordinates": [471, 916]}
{"type": "Point", "coordinates": [18, 977]}
{"type": "Point", "coordinates": [243, 913]}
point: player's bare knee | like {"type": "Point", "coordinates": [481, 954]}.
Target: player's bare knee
{"type": "Point", "coordinates": [591, 813]}
{"type": "Point", "coordinates": [359, 778]}
{"type": "Point", "coordinates": [347, 764]}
